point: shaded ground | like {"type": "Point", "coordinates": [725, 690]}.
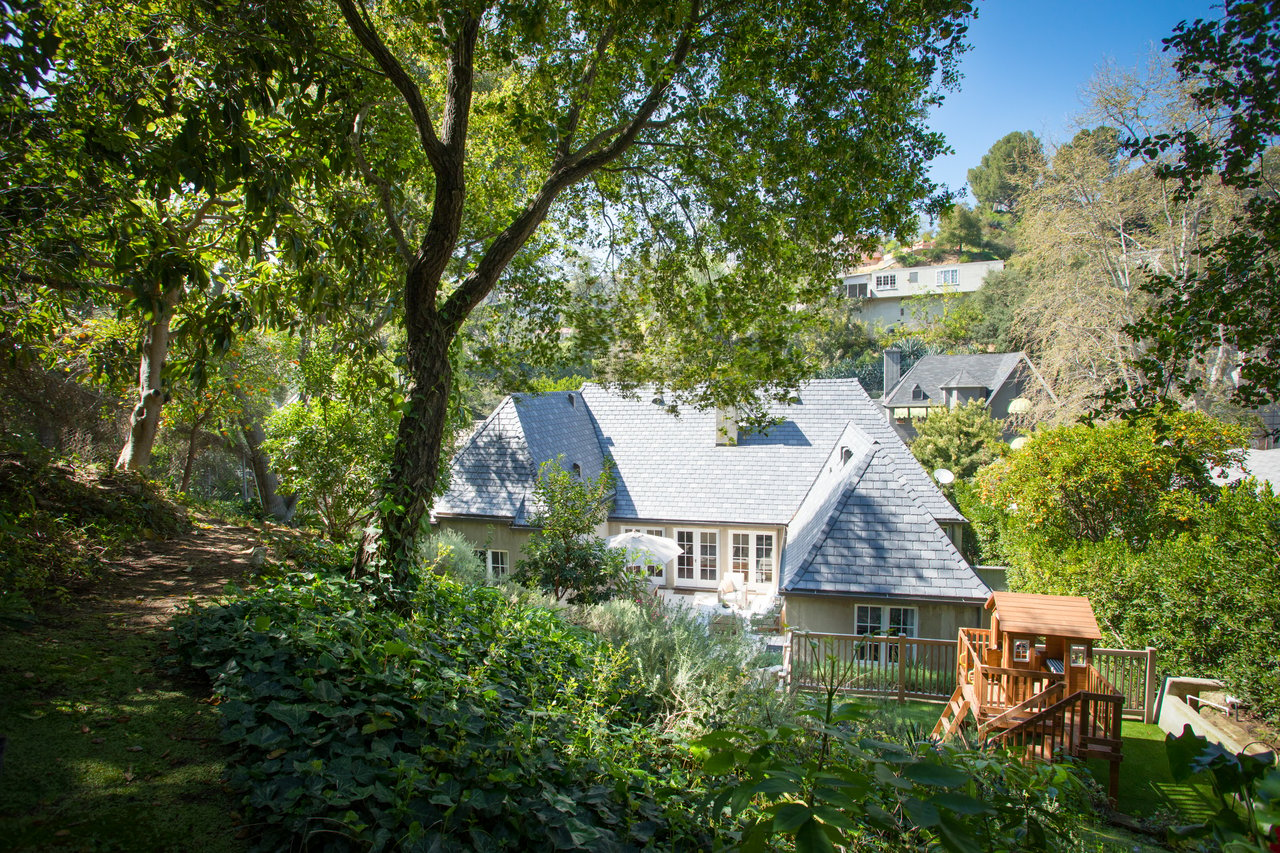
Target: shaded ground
{"type": "Point", "coordinates": [107, 749]}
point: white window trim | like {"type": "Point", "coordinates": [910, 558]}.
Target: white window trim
{"type": "Point", "coordinates": [691, 552]}
{"type": "Point", "coordinates": [952, 273]}
{"type": "Point", "coordinates": [712, 565]}
{"type": "Point", "coordinates": [489, 561]}
{"type": "Point", "coordinates": [656, 571]}
{"type": "Point", "coordinates": [885, 281]}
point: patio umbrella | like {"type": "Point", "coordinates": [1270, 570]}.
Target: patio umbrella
{"type": "Point", "coordinates": [645, 545]}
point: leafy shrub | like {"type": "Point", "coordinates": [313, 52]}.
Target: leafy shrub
{"type": "Point", "coordinates": [450, 553]}
{"type": "Point", "coordinates": [475, 724]}
{"type": "Point", "coordinates": [833, 782]}
{"type": "Point", "coordinates": [695, 676]}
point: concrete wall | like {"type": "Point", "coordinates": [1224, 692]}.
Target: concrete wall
{"type": "Point", "coordinates": [831, 614]}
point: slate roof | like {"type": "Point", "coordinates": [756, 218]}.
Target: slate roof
{"type": "Point", "coordinates": [861, 514]}
{"type": "Point", "coordinates": [669, 467]}
{"type": "Point", "coordinates": [935, 372]}
{"type": "Point", "coordinates": [495, 471]}
{"type": "Point", "coordinates": [862, 532]}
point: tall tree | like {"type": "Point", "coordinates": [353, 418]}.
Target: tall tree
{"type": "Point", "coordinates": [691, 130]}
{"type": "Point", "coordinates": [1095, 226]}
{"type": "Point", "coordinates": [1229, 303]}
{"type": "Point", "coordinates": [1001, 177]}
{"type": "Point", "coordinates": [151, 167]}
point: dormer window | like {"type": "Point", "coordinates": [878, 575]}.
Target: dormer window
{"type": "Point", "coordinates": [845, 455]}
{"type": "Point", "coordinates": [917, 393]}
{"type": "Point", "coordinates": [573, 402]}
{"type": "Point", "coordinates": [577, 470]}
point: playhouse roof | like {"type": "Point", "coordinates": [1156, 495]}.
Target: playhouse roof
{"type": "Point", "coordinates": [1045, 615]}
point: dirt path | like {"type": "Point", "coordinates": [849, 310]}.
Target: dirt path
{"type": "Point", "coordinates": [108, 746]}
{"type": "Point", "coordinates": [150, 581]}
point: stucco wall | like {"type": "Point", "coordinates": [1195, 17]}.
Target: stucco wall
{"type": "Point", "coordinates": [490, 535]}
{"type": "Point", "coordinates": [835, 615]}
{"type": "Point", "coordinates": [724, 541]}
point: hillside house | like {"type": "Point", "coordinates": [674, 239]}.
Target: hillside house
{"type": "Point", "coordinates": [899, 298]}
{"type": "Point", "coordinates": [827, 508]}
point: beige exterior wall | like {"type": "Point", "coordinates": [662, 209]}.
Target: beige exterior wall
{"type": "Point", "coordinates": [830, 614]}
{"type": "Point", "coordinates": [724, 547]}
{"type": "Point", "coordinates": [493, 535]}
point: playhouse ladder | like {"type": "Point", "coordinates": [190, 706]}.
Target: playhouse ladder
{"type": "Point", "coordinates": [952, 716]}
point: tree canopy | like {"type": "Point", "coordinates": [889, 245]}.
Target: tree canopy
{"type": "Point", "coordinates": [1229, 301]}
{"type": "Point", "coordinates": [999, 180]}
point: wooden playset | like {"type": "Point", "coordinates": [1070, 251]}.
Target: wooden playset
{"type": "Point", "coordinates": [1029, 683]}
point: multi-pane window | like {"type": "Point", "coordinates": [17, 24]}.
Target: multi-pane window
{"type": "Point", "coordinates": [684, 562]}
{"type": "Point", "coordinates": [764, 558]}
{"type": "Point", "coordinates": [650, 567]}
{"type": "Point", "coordinates": [741, 554]}
{"type": "Point", "coordinates": [951, 276]}
{"type": "Point", "coordinates": [902, 620]}
{"type": "Point", "coordinates": [855, 289]}
{"type": "Point", "coordinates": [708, 555]}
{"type": "Point", "coordinates": [496, 563]}
{"type": "Point", "coordinates": [867, 619]}
{"type": "Point", "coordinates": [887, 282]}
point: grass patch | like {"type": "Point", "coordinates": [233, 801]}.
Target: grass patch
{"type": "Point", "coordinates": [106, 750]}
{"type": "Point", "coordinates": [1146, 786]}
{"type": "Point", "coordinates": [920, 715]}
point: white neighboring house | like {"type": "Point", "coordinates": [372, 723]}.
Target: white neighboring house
{"type": "Point", "coordinates": [898, 297]}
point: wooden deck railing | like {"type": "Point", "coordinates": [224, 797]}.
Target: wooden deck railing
{"type": "Point", "coordinates": [905, 667]}
{"type": "Point", "coordinates": [1071, 726]}
{"type": "Point", "coordinates": [1133, 673]}
{"type": "Point", "coordinates": [997, 688]}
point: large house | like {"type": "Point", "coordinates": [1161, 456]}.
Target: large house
{"type": "Point", "coordinates": [994, 379]}
{"type": "Point", "coordinates": [827, 508]}
{"type": "Point", "coordinates": [895, 297]}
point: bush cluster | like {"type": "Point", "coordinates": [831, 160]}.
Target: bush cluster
{"type": "Point", "coordinates": [477, 722]}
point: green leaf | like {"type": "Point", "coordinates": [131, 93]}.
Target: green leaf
{"type": "Point", "coordinates": [935, 775]}
{"type": "Point", "coordinates": [812, 837]}
{"type": "Point", "coordinates": [921, 813]}
{"type": "Point", "coordinates": [960, 803]}
{"type": "Point", "coordinates": [788, 817]}
{"type": "Point", "coordinates": [262, 624]}
{"type": "Point", "coordinates": [955, 837]}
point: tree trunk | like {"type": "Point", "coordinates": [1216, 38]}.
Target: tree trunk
{"type": "Point", "coordinates": [145, 421]}
{"type": "Point", "coordinates": [273, 504]}
{"type": "Point", "coordinates": [191, 455]}
{"type": "Point", "coordinates": [415, 463]}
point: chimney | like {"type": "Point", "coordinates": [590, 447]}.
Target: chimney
{"type": "Point", "coordinates": [726, 427]}
{"type": "Point", "coordinates": [892, 369]}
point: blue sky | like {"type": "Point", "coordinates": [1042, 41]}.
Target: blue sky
{"type": "Point", "coordinates": [1029, 59]}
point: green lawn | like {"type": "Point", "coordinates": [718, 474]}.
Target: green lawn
{"type": "Point", "coordinates": [106, 750]}
{"type": "Point", "coordinates": [1145, 784]}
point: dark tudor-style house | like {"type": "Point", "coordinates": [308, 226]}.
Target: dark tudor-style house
{"type": "Point", "coordinates": [827, 508]}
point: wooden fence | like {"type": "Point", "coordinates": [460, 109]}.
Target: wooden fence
{"type": "Point", "coordinates": [1133, 673]}
{"type": "Point", "coordinates": [918, 668]}
{"type": "Point", "coordinates": [905, 667]}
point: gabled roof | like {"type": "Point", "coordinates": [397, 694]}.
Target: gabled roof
{"type": "Point", "coordinates": [495, 471]}
{"type": "Point", "coordinates": [861, 532]}
{"type": "Point", "coordinates": [1045, 615]}
{"type": "Point", "coordinates": [668, 466]}
{"type": "Point", "coordinates": [935, 372]}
